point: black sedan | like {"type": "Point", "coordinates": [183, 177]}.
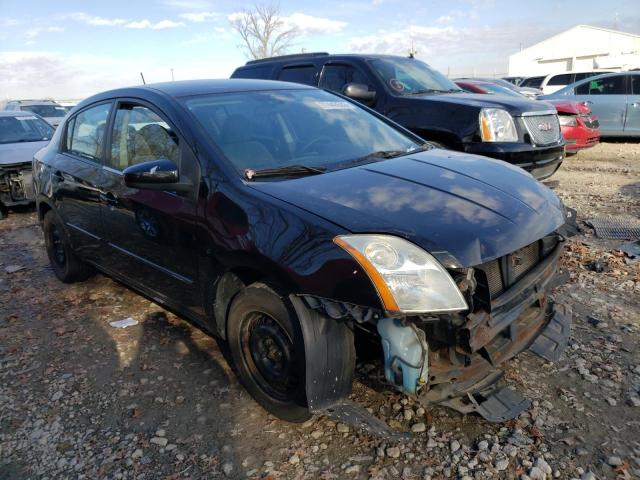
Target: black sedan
{"type": "Point", "coordinates": [288, 221]}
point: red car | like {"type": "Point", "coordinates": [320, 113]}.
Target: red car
{"type": "Point", "coordinates": [580, 128]}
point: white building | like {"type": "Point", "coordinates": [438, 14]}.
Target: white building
{"type": "Point", "coordinates": [581, 48]}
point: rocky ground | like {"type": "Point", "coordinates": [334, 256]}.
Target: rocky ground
{"type": "Point", "coordinates": [82, 399]}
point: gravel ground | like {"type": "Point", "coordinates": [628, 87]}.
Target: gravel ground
{"type": "Point", "coordinates": [81, 399]}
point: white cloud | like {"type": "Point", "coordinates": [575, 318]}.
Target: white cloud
{"type": "Point", "coordinates": [8, 22]}
{"type": "Point", "coordinates": [188, 4]}
{"type": "Point", "coordinates": [445, 19]}
{"type": "Point", "coordinates": [306, 24]}
{"type": "Point", "coordinates": [97, 21]}
{"type": "Point", "coordinates": [34, 32]}
{"type": "Point", "coordinates": [484, 48]}
{"type": "Point", "coordinates": [309, 24]}
{"type": "Point", "coordinates": [25, 74]}
{"type": "Point", "coordinates": [161, 25]}
{"type": "Point", "coordinates": [198, 17]}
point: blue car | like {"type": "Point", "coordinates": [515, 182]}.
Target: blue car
{"type": "Point", "coordinates": [613, 97]}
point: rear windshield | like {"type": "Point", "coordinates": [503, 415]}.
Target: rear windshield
{"type": "Point", "coordinates": [408, 76]}
{"type": "Point", "coordinates": [532, 82]}
{"type": "Point", "coordinates": [45, 110]}
{"type": "Point", "coordinates": [24, 129]}
{"type": "Point", "coordinates": [499, 90]}
{"type": "Point", "coordinates": [272, 129]}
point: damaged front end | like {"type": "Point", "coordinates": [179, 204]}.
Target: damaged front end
{"type": "Point", "coordinates": [456, 359]}
{"type": "Point", "coordinates": [16, 185]}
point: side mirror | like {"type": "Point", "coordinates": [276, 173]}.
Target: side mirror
{"type": "Point", "coordinates": [358, 91]}
{"type": "Point", "coordinates": [159, 174]}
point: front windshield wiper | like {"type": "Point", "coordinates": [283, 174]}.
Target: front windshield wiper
{"type": "Point", "coordinates": [383, 154]}
{"type": "Point", "coordinates": [287, 170]}
{"type": "Point", "coordinates": [432, 90]}
{"type": "Point", "coordinates": [25, 140]}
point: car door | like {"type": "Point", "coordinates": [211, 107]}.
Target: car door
{"type": "Point", "coordinates": [607, 98]}
{"type": "Point", "coordinates": [632, 119]}
{"type": "Point", "coordinates": [76, 177]}
{"type": "Point", "coordinates": [150, 233]}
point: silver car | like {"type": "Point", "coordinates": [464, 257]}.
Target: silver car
{"type": "Point", "coordinates": [51, 111]}
{"type": "Point", "coordinates": [22, 134]}
{"type": "Point", "coordinates": [613, 97]}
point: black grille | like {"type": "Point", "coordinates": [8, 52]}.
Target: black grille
{"type": "Point", "coordinates": [496, 276]}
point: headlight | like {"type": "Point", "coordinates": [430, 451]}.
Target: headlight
{"type": "Point", "coordinates": [568, 120]}
{"type": "Point", "coordinates": [496, 125]}
{"type": "Point", "coordinates": [407, 278]}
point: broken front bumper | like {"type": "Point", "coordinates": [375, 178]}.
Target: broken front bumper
{"type": "Point", "coordinates": [16, 185]}
{"type": "Point", "coordinates": [464, 374]}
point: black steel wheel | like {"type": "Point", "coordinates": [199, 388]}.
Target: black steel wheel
{"type": "Point", "coordinates": [64, 262]}
{"type": "Point", "coordinates": [268, 351]}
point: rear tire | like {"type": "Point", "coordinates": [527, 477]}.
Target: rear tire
{"type": "Point", "coordinates": [64, 262]}
{"type": "Point", "coordinates": [267, 348]}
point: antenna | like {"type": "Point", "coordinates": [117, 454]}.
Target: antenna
{"type": "Point", "coordinates": [412, 52]}
{"type": "Point", "coordinates": [142, 76]}
{"type": "Point", "coordinates": [172, 79]}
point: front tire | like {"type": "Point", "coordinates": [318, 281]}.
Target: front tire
{"type": "Point", "coordinates": [267, 348]}
{"type": "Point", "coordinates": [64, 262]}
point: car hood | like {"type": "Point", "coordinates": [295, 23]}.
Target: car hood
{"type": "Point", "coordinates": [515, 106]}
{"type": "Point", "coordinates": [452, 204]}
{"type": "Point", "coordinates": [12, 153]}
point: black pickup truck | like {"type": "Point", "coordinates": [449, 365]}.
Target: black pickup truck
{"type": "Point", "coordinates": [408, 91]}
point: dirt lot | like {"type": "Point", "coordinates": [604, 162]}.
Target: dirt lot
{"type": "Point", "coordinates": [81, 399]}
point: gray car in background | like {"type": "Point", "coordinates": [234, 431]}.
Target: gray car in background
{"type": "Point", "coordinates": [613, 97]}
{"type": "Point", "coordinates": [22, 134]}
{"type": "Point", "coordinates": [51, 111]}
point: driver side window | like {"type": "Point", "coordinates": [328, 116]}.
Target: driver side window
{"type": "Point", "coordinates": [141, 135]}
{"type": "Point", "coordinates": [335, 77]}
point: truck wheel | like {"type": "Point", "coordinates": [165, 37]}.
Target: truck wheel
{"type": "Point", "coordinates": [65, 264]}
{"type": "Point", "coordinates": [267, 348]}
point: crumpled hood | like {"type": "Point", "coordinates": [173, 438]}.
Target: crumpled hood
{"type": "Point", "coordinates": [471, 207]}
{"type": "Point", "coordinates": [515, 106]}
{"type": "Point", "coordinates": [12, 153]}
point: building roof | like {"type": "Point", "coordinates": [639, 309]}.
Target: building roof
{"type": "Point", "coordinates": [578, 27]}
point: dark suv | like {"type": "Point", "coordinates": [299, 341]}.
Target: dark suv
{"type": "Point", "coordinates": [523, 132]}
{"type": "Point", "coordinates": [288, 220]}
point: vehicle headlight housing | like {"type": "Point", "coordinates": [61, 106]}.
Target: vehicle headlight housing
{"type": "Point", "coordinates": [408, 279]}
{"type": "Point", "coordinates": [568, 120]}
{"type": "Point", "coordinates": [497, 125]}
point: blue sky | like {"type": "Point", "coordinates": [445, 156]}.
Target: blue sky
{"type": "Point", "coordinates": [71, 49]}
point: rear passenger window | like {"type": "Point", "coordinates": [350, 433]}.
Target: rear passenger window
{"type": "Point", "coordinates": [303, 74]}
{"type": "Point", "coordinates": [533, 82]}
{"type": "Point", "coordinates": [563, 79]}
{"type": "Point", "coordinates": [141, 135]}
{"type": "Point", "coordinates": [603, 86]}
{"type": "Point", "coordinates": [87, 133]}
{"type": "Point", "coordinates": [635, 84]}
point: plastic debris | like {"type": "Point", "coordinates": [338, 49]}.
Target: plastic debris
{"type": "Point", "coordinates": [13, 268]}
{"type": "Point", "coordinates": [127, 322]}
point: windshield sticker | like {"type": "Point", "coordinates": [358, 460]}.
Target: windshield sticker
{"type": "Point", "coordinates": [26, 118]}
{"type": "Point", "coordinates": [396, 84]}
{"type": "Point", "coordinates": [334, 105]}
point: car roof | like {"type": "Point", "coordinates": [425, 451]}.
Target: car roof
{"type": "Point", "coordinates": [16, 113]}
{"type": "Point", "coordinates": [185, 88]}
{"type": "Point", "coordinates": [321, 55]}
{"type": "Point", "coordinates": [34, 102]}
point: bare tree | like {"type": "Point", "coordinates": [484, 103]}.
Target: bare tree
{"type": "Point", "coordinates": [264, 32]}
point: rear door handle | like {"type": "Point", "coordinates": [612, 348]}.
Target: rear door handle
{"type": "Point", "coordinates": [635, 104]}
{"type": "Point", "coordinates": [109, 198]}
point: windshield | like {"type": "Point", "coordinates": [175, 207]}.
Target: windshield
{"type": "Point", "coordinates": [45, 110]}
{"type": "Point", "coordinates": [408, 76]}
{"type": "Point", "coordinates": [24, 129]}
{"type": "Point", "coordinates": [311, 128]}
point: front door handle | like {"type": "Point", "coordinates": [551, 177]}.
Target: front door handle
{"type": "Point", "coordinates": [109, 198]}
